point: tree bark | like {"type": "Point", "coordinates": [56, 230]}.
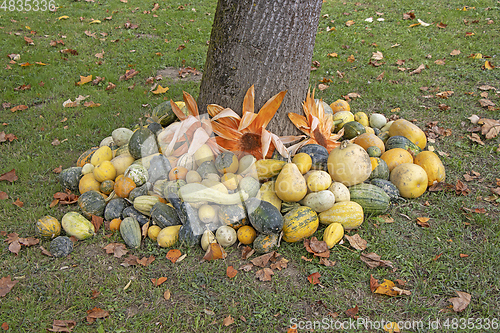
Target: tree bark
{"type": "Point", "coordinates": [267, 43]}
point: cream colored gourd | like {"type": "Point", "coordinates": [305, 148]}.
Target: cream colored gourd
{"type": "Point", "coordinates": [207, 238]}
{"type": "Point", "coordinates": [349, 164]}
{"type": "Point", "coordinates": [195, 192]}
{"type": "Point", "coordinates": [226, 236]}
{"type": "Point", "coordinates": [319, 201]}
{"type": "Point", "coordinates": [340, 191]}
{"type": "Point", "coordinates": [410, 179]}
{"type": "Point", "coordinates": [290, 184]}
{"type": "Point", "coordinates": [121, 163]}
{"type": "Point", "coordinates": [318, 180]}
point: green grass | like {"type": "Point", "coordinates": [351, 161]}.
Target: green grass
{"type": "Point", "coordinates": [46, 292]}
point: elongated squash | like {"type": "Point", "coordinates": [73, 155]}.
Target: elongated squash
{"type": "Point", "coordinates": [372, 198]}
{"type": "Point", "coordinates": [195, 192]}
{"type": "Point", "coordinates": [432, 165]}
{"type": "Point", "coordinates": [268, 168]}
{"type": "Point", "coordinates": [268, 193]}
{"type": "Point", "coordinates": [299, 223]}
{"type": "Point", "coordinates": [76, 225]}
{"type": "Point", "coordinates": [347, 213]}
{"type": "Point", "coordinates": [410, 131]}
{"type": "Point", "coordinates": [131, 232]}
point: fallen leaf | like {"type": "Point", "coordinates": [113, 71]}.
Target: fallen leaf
{"type": "Point", "coordinates": [6, 284]}
{"type": "Point", "coordinates": [131, 260]}
{"type": "Point", "coordinates": [128, 75]}
{"type": "Point", "coordinates": [332, 55]}
{"type": "Point", "coordinates": [422, 23]}
{"type": "Point", "coordinates": [463, 255]}
{"type": "Point", "coordinates": [409, 16]}
{"type": "Point", "coordinates": [322, 86]}
{"type": "Point", "coordinates": [377, 55]}
{"type": "Point", "coordinates": [28, 41]}
{"type": "Point", "coordinates": [392, 327]}
{"type": "Point", "coordinates": [349, 23]}
{"type": "Point", "coordinates": [461, 302]}
{"type": "Point", "coordinates": [95, 293]}
{"type": "Point", "coordinates": [373, 283]}
{"type": "Point", "coordinates": [173, 255]}
{"type": "Point", "coordinates": [488, 65]}
{"type": "Point", "coordinates": [214, 252]}
{"type": "Point", "coordinates": [145, 261]}
{"type": "Point", "coordinates": [490, 128]}
{"type": "Point", "coordinates": [3, 195]}
{"type": "Point", "coordinates": [357, 242]}
{"type": "Point", "coordinates": [95, 22]}
{"type": "Point", "coordinates": [262, 260]}
{"type": "Point", "coordinates": [62, 326]}
{"type": "Point", "coordinates": [84, 79]}
{"type": "Point", "coordinates": [461, 188]}
{"type": "Point", "coordinates": [380, 77]}
{"type": "Point", "coordinates": [316, 247]}
{"type": "Point", "coordinates": [440, 61]}
{"type": "Point", "coordinates": [455, 52]}
{"type": "Point", "coordinates": [231, 272]}
{"type": "Point", "coordinates": [351, 58]}
{"type": "Point", "coordinates": [248, 267]}
{"type": "Point", "coordinates": [306, 259]}
{"type": "Point", "coordinates": [110, 86]}
{"type": "Point", "coordinates": [422, 221]}
{"type": "Point", "coordinates": [441, 25]}
{"type": "Point", "coordinates": [487, 87]}
{"type": "Point", "coordinates": [5, 326]}
{"type": "Point", "coordinates": [486, 102]}
{"type": "Point", "coordinates": [58, 169]}
{"type": "Point", "coordinates": [96, 313]}
{"type": "Point", "coordinates": [246, 252]}
{"type": "Point", "coordinates": [418, 70]}
{"type": "Point", "coordinates": [97, 221]}
{"type": "Point", "coordinates": [264, 274]}
{"type": "Point", "coordinates": [352, 312]}
{"type": "Point", "coordinates": [228, 321]}
{"type": "Point", "coordinates": [18, 108]}
{"type": "Point", "coordinates": [282, 264]}
{"type": "Point", "coordinates": [29, 241]}
{"type": "Point", "coordinates": [166, 295]}
{"type": "Point", "coordinates": [475, 138]}
{"type": "Point", "coordinates": [160, 90]}
{"type": "Point", "coordinates": [373, 260]}
{"type": "Point", "coordinates": [18, 203]}
{"type": "Point", "coordinates": [70, 51]}
{"type": "Point", "coordinates": [159, 281]}
{"type": "Point", "coordinates": [314, 278]}
{"type": "Point", "coordinates": [45, 252]}
{"type": "Point", "coordinates": [100, 55]}
{"type": "Point", "coordinates": [23, 87]}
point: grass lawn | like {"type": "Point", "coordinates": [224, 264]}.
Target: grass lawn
{"type": "Point", "coordinates": [44, 55]}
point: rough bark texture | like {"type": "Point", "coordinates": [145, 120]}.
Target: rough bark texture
{"type": "Point", "coordinates": [267, 43]}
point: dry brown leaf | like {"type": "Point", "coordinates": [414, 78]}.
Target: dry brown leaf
{"type": "Point", "coordinates": [280, 264]}
{"type": "Point", "coordinates": [228, 321]}
{"type": "Point", "coordinates": [214, 252]}
{"type": "Point", "coordinates": [486, 87]}
{"type": "Point", "coordinates": [62, 326]}
{"type": "Point", "coordinates": [373, 283]}
{"type": "Point", "coordinates": [173, 255]}
{"type": "Point", "coordinates": [316, 247]}
{"type": "Point", "coordinates": [422, 221]}
{"type": "Point", "coordinates": [9, 176]}
{"type": "Point", "coordinates": [357, 242]}
{"type": "Point", "coordinates": [262, 260]}
{"type": "Point", "coordinates": [159, 281]}
{"type": "Point", "coordinates": [45, 252]}
{"type": "Point", "coordinates": [145, 261]}
{"type": "Point", "coordinates": [314, 278]}
{"type": "Point", "coordinates": [418, 70]}
{"type": "Point", "coordinates": [327, 262]}
{"type": "Point", "coordinates": [58, 169]}
{"type": "Point", "coordinates": [306, 259]}
{"type": "Point", "coordinates": [461, 188]}
{"type": "Point", "coordinates": [117, 249]}
{"type": "Point", "coordinates": [97, 221]}
{"type": "Point", "coordinates": [246, 252]}
{"type": "Point", "coordinates": [440, 61]}
{"type": "Point", "coordinates": [5, 326]}
{"type": "Point", "coordinates": [29, 241]}
{"type": "Point", "coordinates": [128, 75]}
{"type": "Point", "coordinates": [264, 274]}
{"type": "Point", "coordinates": [463, 255]}
{"type": "Point", "coordinates": [84, 79]}
{"type": "Point", "coordinates": [486, 102]}
{"type": "Point", "coordinates": [96, 313]}
{"type": "Point", "coordinates": [18, 203]}
{"type": "Point", "coordinates": [322, 86]}
{"type": "Point", "coordinates": [475, 138]}
{"type": "Point", "coordinates": [490, 127]}
{"type": "Point", "coordinates": [110, 86]}
{"type": "Point", "coordinates": [95, 293]}
{"type": "Point", "coordinates": [351, 58]}
{"type": "Point", "coordinates": [6, 284]}
{"type": "Point", "coordinates": [455, 52]}
{"type": "Point", "coordinates": [166, 295]}
{"type": "Point", "coordinates": [352, 313]}
{"type": "Point", "coordinates": [3, 195]}
{"type": "Point", "coordinates": [18, 108]}
{"type": "Point", "coordinates": [248, 267]}
{"type": "Point", "coordinates": [131, 260]}
{"type": "Point", "coordinates": [377, 55]}
{"type": "Point", "coordinates": [461, 302]}
{"type": "Point", "coordinates": [409, 16]}
{"type": "Point", "coordinates": [231, 272]}
{"type": "Point", "coordinates": [373, 260]}
{"type": "Point", "coordinates": [380, 77]}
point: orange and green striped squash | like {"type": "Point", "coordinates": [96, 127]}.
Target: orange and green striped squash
{"type": "Point", "coordinates": [85, 157]}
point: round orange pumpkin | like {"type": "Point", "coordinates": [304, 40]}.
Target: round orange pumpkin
{"type": "Point", "coordinates": [178, 173]}
{"type": "Point", "coordinates": [114, 225]}
{"type": "Point", "coordinates": [246, 234]}
{"type": "Point", "coordinates": [123, 186]}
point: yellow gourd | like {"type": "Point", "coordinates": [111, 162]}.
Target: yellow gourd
{"type": "Point", "coordinates": [267, 193]}
{"type": "Point", "coordinates": [333, 234]}
{"type": "Point", "coordinates": [349, 164]}
{"type": "Point", "coordinates": [168, 236]}
{"type": "Point", "coordinates": [104, 171]}
{"type": "Point", "coordinates": [409, 130]}
{"type": "Point", "coordinates": [290, 184]}
{"type": "Point", "coordinates": [396, 156]}
{"type": "Point", "coordinates": [88, 183]}
{"type": "Point", "coordinates": [318, 180]}
{"type": "Point", "coordinates": [432, 165]}
{"type": "Point", "coordinates": [100, 155]}
{"type": "Point", "coordinates": [347, 213]}
{"type": "Point", "coordinates": [410, 179]}
{"type": "Point", "coordinates": [303, 162]}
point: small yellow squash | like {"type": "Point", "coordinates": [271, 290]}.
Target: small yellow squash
{"type": "Point", "coordinates": [168, 236]}
{"type": "Point", "coordinates": [333, 234]}
{"type": "Point", "coordinates": [347, 213]}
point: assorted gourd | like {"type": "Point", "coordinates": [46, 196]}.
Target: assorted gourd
{"type": "Point", "coordinates": [200, 196]}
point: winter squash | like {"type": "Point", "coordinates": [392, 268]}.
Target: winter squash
{"type": "Point", "coordinates": [203, 154]}
{"type": "Point", "coordinates": [168, 236]}
{"type": "Point", "coordinates": [230, 180]}
{"type": "Point", "coordinates": [399, 141]}
{"type": "Point", "coordinates": [138, 173]}
{"type": "Point", "coordinates": [114, 208]}
{"type": "Point", "coordinates": [76, 225]}
{"type": "Point", "coordinates": [263, 216]}
{"type": "Point", "coordinates": [187, 161]}
{"type": "Point", "coordinates": [246, 234]}
{"type": "Point", "coordinates": [349, 164]}
{"type": "Point", "coordinates": [410, 179]}
{"type": "Point", "coordinates": [318, 154]}
{"type": "Point", "coordinates": [207, 238]}
{"type": "Point", "coordinates": [207, 213]}
{"type": "Point", "coordinates": [48, 227]}
{"type": "Point", "coordinates": [265, 243]}
{"type": "Point", "coordinates": [341, 118]}
{"type": "Point", "coordinates": [352, 129]}
{"type": "Point", "coordinates": [121, 163]}
{"type": "Point", "coordinates": [86, 156]}
{"type": "Point", "coordinates": [267, 193]}
{"type": "Point", "coordinates": [87, 168]}
{"type": "Point", "coordinates": [88, 183]}
{"type": "Point", "coordinates": [303, 161]}
{"type": "Point", "coordinates": [340, 105]}
{"type": "Point", "coordinates": [164, 215]}
{"type": "Point", "coordinates": [61, 246]}
{"type": "Point", "coordinates": [374, 151]}
{"type": "Point", "coordinates": [268, 168]}
{"type": "Point", "coordinates": [70, 178]}
{"type": "Point", "coordinates": [410, 131]}
{"type": "Point", "coordinates": [193, 177]}
{"type": "Point", "coordinates": [367, 140]}
{"type": "Point", "coordinates": [246, 166]}
{"type": "Point", "coordinates": [227, 162]}
{"type": "Point", "coordinates": [130, 211]}
{"type": "Point", "coordinates": [299, 223]}
{"type": "Point", "coordinates": [102, 154]}
{"type": "Point", "coordinates": [123, 186]}
{"type": "Point", "coordinates": [104, 171]}
{"type": "Point", "coordinates": [377, 120]}
{"type": "Point", "coordinates": [333, 234]}
{"type": "Point", "coordinates": [177, 173]}
{"type": "Point", "coordinates": [107, 187]}
{"type": "Point", "coordinates": [131, 232]}
{"type": "Point", "coordinates": [389, 188]}
{"type": "Point", "coordinates": [318, 180]}
{"type": "Point", "coordinates": [144, 203]}
{"type": "Point", "coordinates": [319, 201]}
{"type": "Point", "coordinates": [340, 191]}
{"type": "Point", "coordinates": [226, 236]}
{"type": "Point", "coordinates": [380, 169]}
{"type": "Point", "coordinates": [432, 165]}
{"type": "Point", "coordinates": [114, 225]}
{"type": "Point", "coordinates": [91, 203]}
{"type": "Point", "coordinates": [142, 143]}
{"type": "Point", "coordinates": [121, 136]}
{"type": "Point", "coordinates": [250, 185]}
{"type": "Point", "coordinates": [290, 184]}
{"type": "Point", "coordinates": [347, 213]}
{"type": "Point", "coordinates": [153, 232]}
{"type": "Point", "coordinates": [372, 198]}
{"type": "Point", "coordinates": [395, 157]}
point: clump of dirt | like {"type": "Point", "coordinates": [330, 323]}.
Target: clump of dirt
{"type": "Point", "coordinates": [179, 74]}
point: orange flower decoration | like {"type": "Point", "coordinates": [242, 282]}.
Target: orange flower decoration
{"type": "Point", "coordinates": [189, 134]}
{"type": "Point", "coordinates": [248, 134]}
{"type": "Point", "coordinates": [316, 124]}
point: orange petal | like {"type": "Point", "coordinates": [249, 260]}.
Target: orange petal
{"type": "Point", "coordinates": [291, 138]}
{"type": "Point", "coordinates": [228, 144]}
{"type": "Point", "coordinates": [228, 117]}
{"type": "Point", "coordinates": [300, 122]}
{"type": "Point", "coordinates": [178, 112]}
{"type": "Point", "coordinates": [248, 101]}
{"type": "Point", "coordinates": [225, 131]}
{"type": "Point", "coordinates": [214, 109]}
{"type": "Point", "coordinates": [267, 112]}
{"type": "Point", "coordinates": [190, 103]}
{"type": "Point", "coordinates": [246, 120]}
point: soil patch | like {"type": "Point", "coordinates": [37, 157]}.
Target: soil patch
{"type": "Point", "coordinates": [172, 73]}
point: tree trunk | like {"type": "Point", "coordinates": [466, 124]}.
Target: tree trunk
{"type": "Point", "coordinates": [267, 43]}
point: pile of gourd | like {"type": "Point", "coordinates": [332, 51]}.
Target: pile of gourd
{"type": "Point", "coordinates": [202, 198]}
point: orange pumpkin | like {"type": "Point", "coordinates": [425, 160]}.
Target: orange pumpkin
{"type": "Point", "coordinates": [123, 186]}
{"type": "Point", "coordinates": [367, 140]}
{"type": "Point", "coordinates": [88, 183]}
{"type": "Point", "coordinates": [114, 225]}
{"type": "Point", "coordinates": [340, 105]}
{"type": "Point", "coordinates": [178, 173]}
